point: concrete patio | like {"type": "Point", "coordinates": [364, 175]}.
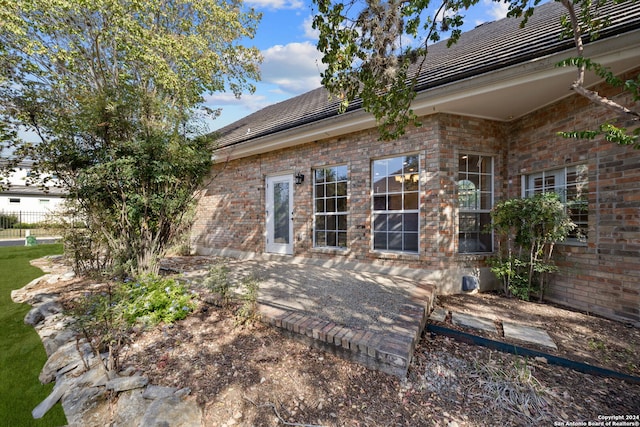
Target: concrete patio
{"type": "Point", "coordinates": [370, 318]}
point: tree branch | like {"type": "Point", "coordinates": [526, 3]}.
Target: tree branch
{"type": "Point", "coordinates": [578, 85]}
{"type": "Point", "coordinates": [577, 38]}
{"type": "Point", "coordinates": [596, 98]}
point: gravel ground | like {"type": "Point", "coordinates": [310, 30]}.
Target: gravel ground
{"type": "Point", "coordinates": [359, 299]}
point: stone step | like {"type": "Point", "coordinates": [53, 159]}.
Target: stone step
{"type": "Point", "coordinates": [511, 330]}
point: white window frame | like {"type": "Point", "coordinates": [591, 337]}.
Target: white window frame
{"type": "Point", "coordinates": [409, 175]}
{"type": "Point", "coordinates": [560, 186]}
{"type": "Point", "coordinates": [325, 199]}
{"type": "Point", "coordinates": [476, 208]}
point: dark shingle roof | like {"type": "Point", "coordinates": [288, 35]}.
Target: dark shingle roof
{"type": "Point", "coordinates": [487, 48]}
{"type": "Point", "coordinates": [30, 190]}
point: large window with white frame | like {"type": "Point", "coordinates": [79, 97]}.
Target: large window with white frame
{"type": "Point", "coordinates": [475, 200]}
{"type": "Point", "coordinates": [395, 188]}
{"type": "Point", "coordinates": [330, 207]}
{"type": "Point", "coordinates": [571, 185]}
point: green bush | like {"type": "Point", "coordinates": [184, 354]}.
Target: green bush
{"type": "Point", "coordinates": [153, 300]}
{"type": "Point", "coordinates": [246, 292]}
{"type": "Point", "coordinates": [7, 221]}
{"type": "Point", "coordinates": [106, 319]}
{"type": "Point", "coordinates": [247, 313]}
{"type": "Point", "coordinates": [28, 225]}
{"type": "Point", "coordinates": [218, 281]}
{"type": "Point", "coordinates": [527, 230]}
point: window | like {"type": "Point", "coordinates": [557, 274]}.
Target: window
{"type": "Point", "coordinates": [330, 216]}
{"type": "Point", "coordinates": [43, 201]}
{"type": "Point", "coordinates": [475, 200]}
{"type": "Point", "coordinates": [571, 184]}
{"type": "Point", "coordinates": [12, 200]}
{"type": "Point", "coordinates": [395, 204]}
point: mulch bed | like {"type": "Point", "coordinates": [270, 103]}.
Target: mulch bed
{"type": "Point", "coordinates": [252, 375]}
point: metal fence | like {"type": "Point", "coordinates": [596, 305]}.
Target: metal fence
{"type": "Point", "coordinates": [16, 224]}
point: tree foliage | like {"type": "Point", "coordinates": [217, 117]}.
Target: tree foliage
{"type": "Point", "coordinates": [112, 89]}
{"type": "Point", "coordinates": [527, 230]}
{"type": "Point", "coordinates": [375, 50]}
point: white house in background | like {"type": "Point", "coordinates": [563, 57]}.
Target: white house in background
{"type": "Point", "coordinates": [16, 196]}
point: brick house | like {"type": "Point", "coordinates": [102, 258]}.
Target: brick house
{"type": "Point", "coordinates": [490, 107]}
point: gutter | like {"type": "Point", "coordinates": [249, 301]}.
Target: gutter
{"type": "Point", "coordinates": [427, 102]}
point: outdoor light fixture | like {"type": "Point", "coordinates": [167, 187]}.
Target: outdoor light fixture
{"type": "Point", "coordinates": [299, 178]}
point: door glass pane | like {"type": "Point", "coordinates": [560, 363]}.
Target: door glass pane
{"type": "Point", "coordinates": [281, 212]}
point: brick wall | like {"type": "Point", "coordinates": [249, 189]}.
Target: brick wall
{"type": "Point", "coordinates": [231, 212]}
{"type": "Point", "coordinates": [603, 275]}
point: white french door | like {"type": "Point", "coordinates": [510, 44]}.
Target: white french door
{"type": "Point", "coordinates": [279, 214]}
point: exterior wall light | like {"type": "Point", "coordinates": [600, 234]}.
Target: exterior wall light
{"type": "Point", "coordinates": [299, 178]}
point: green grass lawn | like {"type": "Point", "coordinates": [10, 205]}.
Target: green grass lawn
{"type": "Point", "coordinates": [21, 352]}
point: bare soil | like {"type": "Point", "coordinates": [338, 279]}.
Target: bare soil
{"type": "Point", "coordinates": [253, 376]}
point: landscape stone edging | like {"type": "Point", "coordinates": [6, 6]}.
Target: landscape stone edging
{"type": "Point", "coordinates": [89, 395]}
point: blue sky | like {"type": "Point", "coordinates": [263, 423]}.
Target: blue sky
{"type": "Point", "coordinates": [292, 64]}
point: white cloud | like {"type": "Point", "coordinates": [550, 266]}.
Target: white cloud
{"type": "Point", "coordinates": [295, 68]}
{"type": "Point", "coordinates": [309, 32]}
{"type": "Point", "coordinates": [251, 102]}
{"type": "Point", "coordinates": [496, 10]}
{"type": "Point", "coordinates": [276, 4]}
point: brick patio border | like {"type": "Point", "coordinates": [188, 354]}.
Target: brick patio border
{"type": "Point", "coordinates": [388, 352]}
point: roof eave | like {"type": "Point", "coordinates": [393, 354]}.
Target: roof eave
{"type": "Point", "coordinates": [622, 49]}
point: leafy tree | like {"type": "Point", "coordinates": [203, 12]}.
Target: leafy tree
{"type": "Point", "coordinates": [112, 88]}
{"type": "Point", "coordinates": [375, 50]}
{"type": "Point", "coordinates": [527, 230]}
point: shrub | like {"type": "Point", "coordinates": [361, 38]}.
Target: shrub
{"type": "Point", "coordinates": [106, 319]}
{"type": "Point", "coordinates": [246, 293]}
{"type": "Point", "coordinates": [527, 230]}
{"type": "Point", "coordinates": [248, 310]}
{"type": "Point", "coordinates": [152, 300]}
{"type": "Point", "coordinates": [7, 221]}
{"type": "Point", "coordinates": [218, 281]}
{"type": "Point", "coordinates": [98, 318]}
